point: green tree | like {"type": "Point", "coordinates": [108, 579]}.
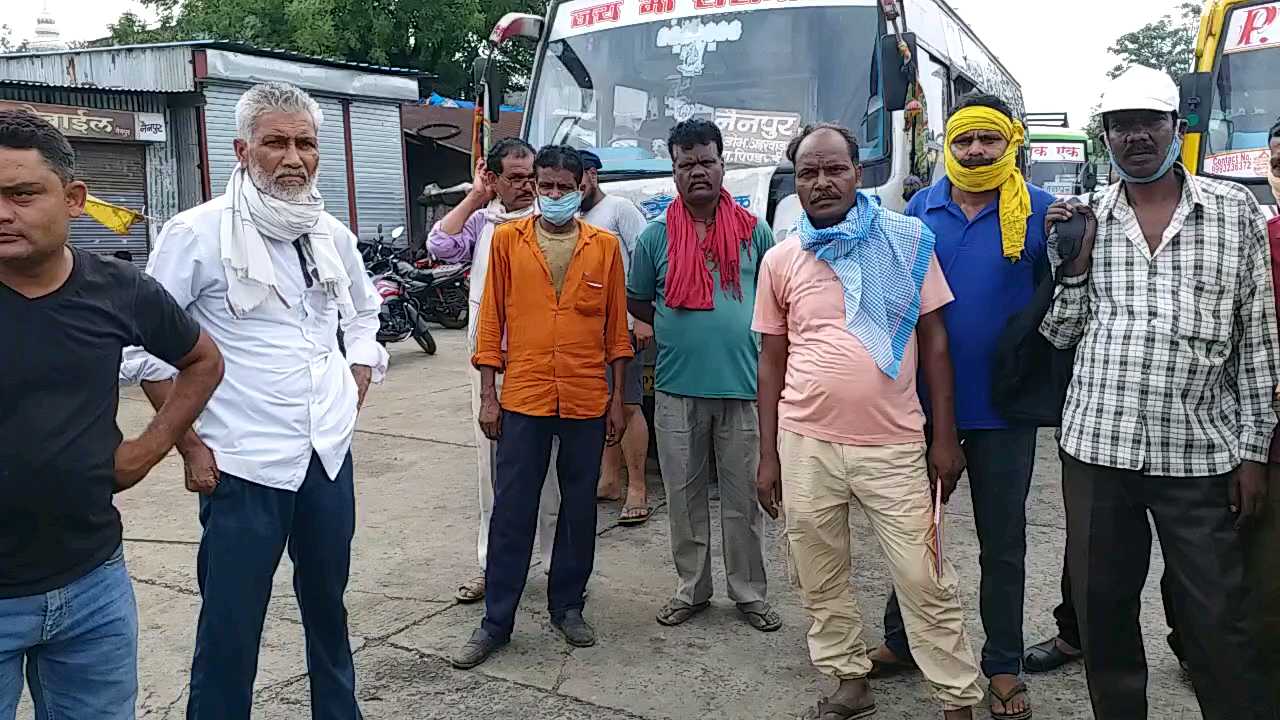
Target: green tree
{"type": "Point", "coordinates": [6, 41]}
{"type": "Point", "coordinates": [441, 37]}
{"type": "Point", "coordinates": [1167, 44]}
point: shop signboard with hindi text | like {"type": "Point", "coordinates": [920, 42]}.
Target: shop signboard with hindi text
{"type": "Point", "coordinates": [84, 123]}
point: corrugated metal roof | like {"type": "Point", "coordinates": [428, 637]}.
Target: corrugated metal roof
{"type": "Point", "coordinates": [147, 68]}
{"type": "Point", "coordinates": [230, 46]}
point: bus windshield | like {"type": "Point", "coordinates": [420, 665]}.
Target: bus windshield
{"type": "Point", "coordinates": [1059, 178]}
{"type": "Point", "coordinates": [1246, 98]}
{"type": "Point", "coordinates": [617, 75]}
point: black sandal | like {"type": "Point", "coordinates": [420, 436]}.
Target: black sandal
{"type": "Point", "coordinates": [1047, 656]}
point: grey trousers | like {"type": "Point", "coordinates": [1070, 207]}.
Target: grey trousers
{"type": "Point", "coordinates": [688, 430]}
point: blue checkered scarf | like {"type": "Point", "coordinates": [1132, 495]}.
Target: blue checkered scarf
{"type": "Point", "coordinates": [881, 258]}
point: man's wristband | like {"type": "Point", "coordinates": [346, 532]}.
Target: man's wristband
{"type": "Point", "coordinates": [1084, 280]}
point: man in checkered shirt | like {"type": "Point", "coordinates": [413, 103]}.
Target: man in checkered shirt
{"type": "Point", "coordinates": [1170, 410]}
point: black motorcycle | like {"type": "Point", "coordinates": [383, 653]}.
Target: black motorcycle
{"type": "Point", "coordinates": [400, 316]}
{"type": "Point", "coordinates": [441, 291]}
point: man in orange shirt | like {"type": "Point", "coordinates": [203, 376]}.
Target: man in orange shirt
{"type": "Point", "coordinates": [554, 315]}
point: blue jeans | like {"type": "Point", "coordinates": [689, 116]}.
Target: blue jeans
{"type": "Point", "coordinates": [80, 643]}
{"type": "Point", "coordinates": [524, 451]}
{"type": "Point", "coordinates": [246, 529]}
{"type": "Point", "coordinates": [999, 467]}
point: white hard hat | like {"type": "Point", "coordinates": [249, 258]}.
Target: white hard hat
{"type": "Point", "coordinates": [1140, 88]}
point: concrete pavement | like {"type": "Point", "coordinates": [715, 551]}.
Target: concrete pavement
{"type": "Point", "coordinates": [416, 513]}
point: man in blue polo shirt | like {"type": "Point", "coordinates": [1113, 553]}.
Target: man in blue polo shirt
{"type": "Point", "coordinates": [989, 225]}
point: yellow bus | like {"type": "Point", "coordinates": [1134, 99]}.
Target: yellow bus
{"type": "Point", "coordinates": [1232, 97]}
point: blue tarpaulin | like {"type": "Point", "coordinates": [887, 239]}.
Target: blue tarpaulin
{"type": "Point", "coordinates": [437, 99]}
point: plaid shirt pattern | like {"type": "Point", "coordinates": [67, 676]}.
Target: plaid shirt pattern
{"type": "Point", "coordinates": [1177, 358]}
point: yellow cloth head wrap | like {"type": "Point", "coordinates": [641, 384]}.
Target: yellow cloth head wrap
{"type": "Point", "coordinates": [1015, 201]}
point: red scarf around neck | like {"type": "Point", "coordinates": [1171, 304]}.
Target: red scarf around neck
{"type": "Point", "coordinates": [689, 284]}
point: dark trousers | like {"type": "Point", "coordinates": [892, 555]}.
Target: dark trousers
{"type": "Point", "coordinates": [1069, 626]}
{"type": "Point", "coordinates": [523, 453]}
{"type": "Point", "coordinates": [999, 466]}
{"type": "Point", "coordinates": [246, 529]}
{"type": "Point", "coordinates": [1109, 554]}
{"type": "Point", "coordinates": [1262, 568]}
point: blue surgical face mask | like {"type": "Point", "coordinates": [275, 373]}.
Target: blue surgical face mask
{"type": "Point", "coordinates": [1175, 151]}
{"type": "Point", "coordinates": [561, 211]}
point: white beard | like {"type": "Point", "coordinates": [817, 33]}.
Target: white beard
{"type": "Point", "coordinates": [267, 185]}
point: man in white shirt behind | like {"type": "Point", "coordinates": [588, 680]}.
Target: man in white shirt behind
{"type": "Point", "coordinates": [621, 217]}
{"type": "Point", "coordinates": [271, 277]}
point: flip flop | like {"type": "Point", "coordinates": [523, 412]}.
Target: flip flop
{"type": "Point", "coordinates": [765, 619]}
{"type": "Point", "coordinates": [1006, 698]}
{"type": "Point", "coordinates": [677, 613]}
{"type": "Point", "coordinates": [471, 591]}
{"type": "Point", "coordinates": [633, 516]}
{"type": "Point", "coordinates": [828, 710]}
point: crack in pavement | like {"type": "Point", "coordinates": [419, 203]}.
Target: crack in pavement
{"type": "Point", "coordinates": [402, 598]}
{"type": "Point", "coordinates": [564, 665]}
{"type": "Point", "coordinates": [613, 712]}
{"type": "Point", "coordinates": [174, 703]}
{"type": "Point", "coordinates": [261, 694]}
{"type": "Point", "coordinates": [165, 586]}
{"type": "Point", "coordinates": [400, 436]}
{"type": "Point", "coordinates": [151, 541]}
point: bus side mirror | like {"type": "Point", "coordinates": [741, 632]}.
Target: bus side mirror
{"type": "Point", "coordinates": [517, 25]}
{"type": "Point", "coordinates": [1197, 98]}
{"type": "Point", "coordinates": [896, 79]}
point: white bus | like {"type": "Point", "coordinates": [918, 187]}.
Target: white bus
{"type": "Point", "coordinates": [614, 76]}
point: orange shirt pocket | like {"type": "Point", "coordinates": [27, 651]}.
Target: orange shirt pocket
{"type": "Point", "coordinates": [591, 297]}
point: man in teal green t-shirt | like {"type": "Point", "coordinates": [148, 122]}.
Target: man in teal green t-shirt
{"type": "Point", "coordinates": [693, 277]}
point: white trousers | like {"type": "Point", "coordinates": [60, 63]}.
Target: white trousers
{"type": "Point", "coordinates": [549, 508]}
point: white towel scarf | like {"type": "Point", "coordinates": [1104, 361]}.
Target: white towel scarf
{"type": "Point", "coordinates": [249, 219]}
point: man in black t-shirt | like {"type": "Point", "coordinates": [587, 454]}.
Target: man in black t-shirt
{"type": "Point", "coordinates": [66, 606]}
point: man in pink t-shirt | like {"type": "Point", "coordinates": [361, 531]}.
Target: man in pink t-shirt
{"type": "Point", "coordinates": [839, 303]}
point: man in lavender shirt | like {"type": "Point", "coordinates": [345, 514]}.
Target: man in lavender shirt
{"type": "Point", "coordinates": [502, 190]}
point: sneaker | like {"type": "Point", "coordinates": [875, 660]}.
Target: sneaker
{"type": "Point", "coordinates": [575, 629]}
{"type": "Point", "coordinates": [477, 650]}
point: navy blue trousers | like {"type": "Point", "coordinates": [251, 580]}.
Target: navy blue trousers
{"type": "Point", "coordinates": [246, 529]}
{"type": "Point", "coordinates": [523, 453]}
{"type": "Point", "coordinates": [999, 467]}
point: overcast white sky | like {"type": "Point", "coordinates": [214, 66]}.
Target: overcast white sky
{"type": "Point", "coordinates": [1056, 48]}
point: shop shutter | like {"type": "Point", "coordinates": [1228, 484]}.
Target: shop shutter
{"type": "Point", "coordinates": [115, 173]}
{"type": "Point", "coordinates": [379, 167]}
{"type": "Point", "coordinates": [220, 129]}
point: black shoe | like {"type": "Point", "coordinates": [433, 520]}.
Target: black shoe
{"type": "Point", "coordinates": [1047, 656]}
{"type": "Point", "coordinates": [477, 650]}
{"type": "Point", "coordinates": [575, 629]}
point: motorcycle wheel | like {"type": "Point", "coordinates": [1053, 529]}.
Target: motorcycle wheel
{"type": "Point", "coordinates": [421, 333]}
{"type": "Point", "coordinates": [456, 322]}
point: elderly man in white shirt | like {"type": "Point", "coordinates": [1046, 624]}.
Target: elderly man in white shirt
{"type": "Point", "coordinates": [271, 277]}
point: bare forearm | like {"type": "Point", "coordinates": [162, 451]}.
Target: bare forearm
{"type": "Point", "coordinates": [640, 310]}
{"type": "Point", "coordinates": [619, 370]}
{"type": "Point", "coordinates": [178, 402]}
{"type": "Point", "coordinates": [488, 382]}
{"type": "Point", "coordinates": [453, 220]}
{"type": "Point", "coordinates": [158, 394]}
{"type": "Point", "coordinates": [770, 379]}
{"type": "Point", "coordinates": [935, 361]}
